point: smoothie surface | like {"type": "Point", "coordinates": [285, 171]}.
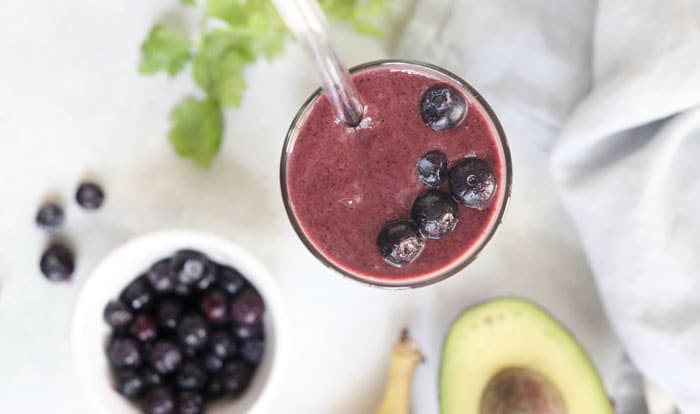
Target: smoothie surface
{"type": "Point", "coordinates": [344, 184]}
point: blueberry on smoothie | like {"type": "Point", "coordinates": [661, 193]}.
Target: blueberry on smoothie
{"type": "Point", "coordinates": [432, 168]}
{"type": "Point", "coordinates": [435, 213]}
{"type": "Point", "coordinates": [472, 183]}
{"type": "Point", "coordinates": [400, 243]}
{"type": "Point", "coordinates": [443, 107]}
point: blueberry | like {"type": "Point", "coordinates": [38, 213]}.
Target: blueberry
{"type": "Point", "coordinates": [57, 263]}
{"type": "Point", "coordinates": [191, 376]}
{"type": "Point", "coordinates": [129, 383]}
{"type": "Point", "coordinates": [235, 376]}
{"type": "Point", "coordinates": [124, 353]}
{"type": "Point", "coordinates": [247, 307]}
{"type": "Point", "coordinates": [166, 357]}
{"type": "Point", "coordinates": [223, 345]}
{"type": "Point", "coordinates": [117, 314]}
{"type": "Point", "coordinates": [435, 213]}
{"type": "Point", "coordinates": [90, 196]}
{"type": "Point", "coordinates": [137, 294]}
{"type": "Point", "coordinates": [231, 280]}
{"type": "Point", "coordinates": [400, 243]}
{"type": "Point", "coordinates": [214, 306]}
{"type": "Point", "coordinates": [248, 331]}
{"type": "Point", "coordinates": [161, 276]}
{"type": "Point", "coordinates": [168, 313]}
{"type": "Point", "coordinates": [183, 290]}
{"type": "Point", "coordinates": [212, 363]}
{"type": "Point", "coordinates": [472, 183]}
{"type": "Point", "coordinates": [443, 108]}
{"type": "Point", "coordinates": [150, 377]}
{"type": "Point", "coordinates": [158, 400]}
{"type": "Point", "coordinates": [193, 331]}
{"type": "Point", "coordinates": [215, 387]}
{"type": "Point", "coordinates": [190, 403]}
{"type": "Point", "coordinates": [50, 216]}
{"type": "Point", "coordinates": [144, 328]}
{"type": "Point", "coordinates": [432, 168]}
{"type": "Point", "coordinates": [210, 277]}
{"type": "Point", "coordinates": [190, 266]}
{"type": "Point", "coordinates": [252, 350]}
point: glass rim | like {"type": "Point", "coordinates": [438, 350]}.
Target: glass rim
{"type": "Point", "coordinates": [441, 274]}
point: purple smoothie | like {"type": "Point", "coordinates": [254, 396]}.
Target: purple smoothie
{"type": "Point", "coordinates": [343, 185]}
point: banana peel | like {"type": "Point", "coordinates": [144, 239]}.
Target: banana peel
{"type": "Point", "coordinates": [405, 358]}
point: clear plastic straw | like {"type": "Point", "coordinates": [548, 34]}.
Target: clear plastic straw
{"type": "Point", "coordinates": [308, 24]}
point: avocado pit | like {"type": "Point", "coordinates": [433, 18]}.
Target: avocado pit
{"type": "Point", "coordinates": [521, 391]}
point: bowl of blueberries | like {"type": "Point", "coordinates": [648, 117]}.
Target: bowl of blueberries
{"type": "Point", "coordinates": [179, 322]}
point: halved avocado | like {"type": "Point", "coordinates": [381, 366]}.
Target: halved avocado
{"type": "Point", "coordinates": [509, 356]}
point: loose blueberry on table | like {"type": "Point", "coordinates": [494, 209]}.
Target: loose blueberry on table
{"type": "Point", "coordinates": [187, 332]}
{"type": "Point", "coordinates": [50, 216]}
{"type": "Point", "coordinates": [90, 196]}
{"type": "Point", "coordinates": [57, 263]}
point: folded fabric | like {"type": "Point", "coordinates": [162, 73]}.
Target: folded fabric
{"type": "Point", "coordinates": [627, 166]}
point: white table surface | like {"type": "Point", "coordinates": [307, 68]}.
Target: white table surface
{"type": "Point", "coordinates": [72, 105]}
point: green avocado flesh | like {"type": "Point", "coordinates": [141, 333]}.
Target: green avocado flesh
{"type": "Point", "coordinates": [509, 356]}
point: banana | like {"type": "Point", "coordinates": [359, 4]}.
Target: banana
{"type": "Point", "coordinates": [405, 358]}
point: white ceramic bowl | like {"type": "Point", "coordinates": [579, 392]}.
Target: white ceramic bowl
{"type": "Point", "coordinates": [89, 331]}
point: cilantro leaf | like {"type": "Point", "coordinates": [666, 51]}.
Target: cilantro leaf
{"type": "Point", "coordinates": [246, 30]}
{"type": "Point", "coordinates": [164, 50]}
{"type": "Point", "coordinates": [256, 21]}
{"type": "Point", "coordinates": [361, 14]}
{"type": "Point", "coordinates": [197, 129]}
{"type": "Point", "coordinates": [218, 67]}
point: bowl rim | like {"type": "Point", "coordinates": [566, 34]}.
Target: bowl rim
{"type": "Point", "coordinates": [260, 277]}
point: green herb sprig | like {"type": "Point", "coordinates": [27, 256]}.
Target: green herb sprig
{"type": "Point", "coordinates": [247, 30]}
